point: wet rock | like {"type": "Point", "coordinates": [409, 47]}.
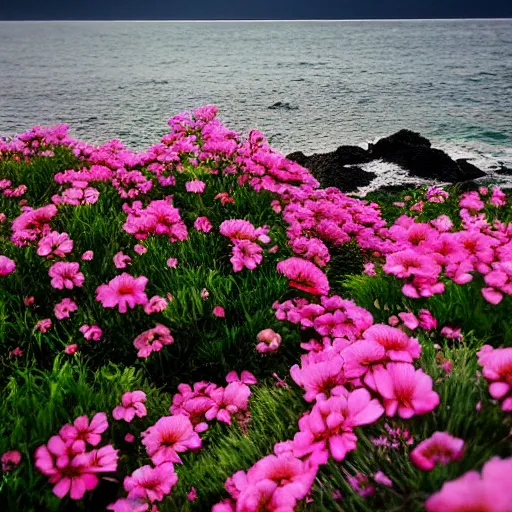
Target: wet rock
{"type": "Point", "coordinates": [282, 105]}
{"type": "Point", "coordinates": [414, 153]}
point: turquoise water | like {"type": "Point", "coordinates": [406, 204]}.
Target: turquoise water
{"type": "Point", "coordinates": [351, 81]}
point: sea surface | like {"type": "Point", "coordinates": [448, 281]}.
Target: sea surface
{"type": "Point", "coordinates": [346, 82]}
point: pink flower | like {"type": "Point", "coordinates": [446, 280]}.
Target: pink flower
{"type": "Point", "coordinates": [319, 378]}
{"type": "Point", "coordinates": [192, 495]}
{"type": "Point", "coordinates": [409, 320]}
{"type": "Point", "coordinates": [151, 483]}
{"type": "Point", "coordinates": [152, 340]}
{"type": "Point", "coordinates": [7, 266]}
{"type": "Point", "coordinates": [224, 198]}
{"type": "Point", "coordinates": [497, 369]}
{"type": "Point", "coordinates": [121, 260]}
{"type": "Point", "coordinates": [195, 186]}
{"type": "Point", "coordinates": [172, 262]}
{"type": "Point", "coordinates": [155, 305]}
{"type": "Point", "coordinates": [28, 301]}
{"type": "Point", "coordinates": [246, 254]}
{"type": "Point", "coordinates": [442, 223]}
{"type": "Point", "coordinates": [64, 308]}
{"type": "Point", "coordinates": [498, 198]}
{"type": "Point", "coordinates": [440, 448]}
{"type": "Point", "coordinates": [381, 478]}
{"type": "Point", "coordinates": [55, 244]}
{"type": "Point", "coordinates": [229, 400]}
{"type": "Point", "coordinates": [43, 325]}
{"type": "Point", "coordinates": [127, 505]}
{"type": "Point", "coordinates": [123, 291]}
{"type": "Point", "coordinates": [436, 195]}
{"type": "Point", "coordinates": [452, 333]}
{"type": "Point", "coordinates": [471, 201]}
{"type": "Point", "coordinates": [409, 263]}
{"type": "Point", "coordinates": [129, 438]}
{"type": "Point", "coordinates": [398, 345]}
{"type": "Point", "coordinates": [169, 436]}
{"type": "Point", "coordinates": [329, 427]}
{"type": "Point", "coordinates": [91, 332]}
{"type": "Point", "coordinates": [204, 294]}
{"type": "Point", "coordinates": [71, 349]}
{"type": "Point", "coordinates": [218, 311]}
{"type": "Point", "coordinates": [361, 485]}
{"type": "Point", "coordinates": [240, 229]}
{"type": "Point", "coordinates": [140, 249]}
{"type": "Point", "coordinates": [304, 275]}
{"type": "Point", "coordinates": [66, 274]}
{"type": "Point", "coordinates": [269, 341]}
{"type": "Point", "coordinates": [132, 405]}
{"type": "Point", "coordinates": [245, 377]}
{"type": "Point", "coordinates": [203, 224]}
{"type": "Point", "coordinates": [369, 269]}
{"type": "Point", "coordinates": [88, 255]}
{"type": "Point", "coordinates": [17, 352]}
{"type": "Point", "coordinates": [10, 459]}
{"type": "Point", "coordinates": [489, 491]}
{"type": "Point", "coordinates": [426, 320]}
{"type": "Point", "coordinates": [82, 431]}
{"type": "Point", "coordinates": [403, 389]}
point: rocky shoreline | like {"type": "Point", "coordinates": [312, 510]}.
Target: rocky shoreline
{"type": "Point", "coordinates": [407, 149]}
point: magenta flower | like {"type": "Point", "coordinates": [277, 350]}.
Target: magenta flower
{"type": "Point", "coordinates": [246, 254]}
{"type": "Point", "coordinates": [128, 505]}
{"type": "Point", "coordinates": [64, 308]}
{"type": "Point", "coordinates": [203, 224]}
{"type": "Point", "coordinates": [398, 345]}
{"type": "Point", "coordinates": [192, 495]}
{"type": "Point", "coordinates": [488, 491]}
{"type": "Point", "coordinates": [152, 340]}
{"type": "Point", "coordinates": [172, 262]}
{"type": "Point", "coordinates": [87, 255]}
{"type": "Point", "coordinates": [82, 431]}
{"type": "Point", "coordinates": [329, 427]}
{"type": "Point", "coordinates": [43, 325]}
{"type": "Point", "coordinates": [224, 198]}
{"type": "Point", "coordinates": [409, 320]}
{"type": "Point", "coordinates": [361, 485]}
{"type": "Point", "coordinates": [452, 333]}
{"type": "Point", "coordinates": [55, 244]}
{"type": "Point", "coordinates": [240, 229]}
{"type": "Point", "coordinates": [121, 260]}
{"type": "Point", "coordinates": [403, 389]}
{"type": "Point", "coordinates": [91, 332]}
{"type": "Point", "coordinates": [319, 379]}
{"type": "Point", "coordinates": [381, 478]}
{"type": "Point", "coordinates": [169, 436]}
{"type": "Point", "coordinates": [304, 275]}
{"type": "Point", "coordinates": [269, 341]}
{"type": "Point", "coordinates": [10, 459]}
{"type": "Point", "coordinates": [132, 405]}
{"type": "Point", "coordinates": [140, 249]}
{"type": "Point", "coordinates": [150, 483]}
{"type": "Point", "coordinates": [66, 274]}
{"type": "Point", "coordinates": [497, 369]}
{"type": "Point", "coordinates": [229, 400]}
{"type": "Point", "coordinates": [7, 266]}
{"type": "Point", "coordinates": [218, 311]}
{"type": "Point", "coordinates": [195, 186]}
{"type": "Point", "coordinates": [440, 448]}
{"type": "Point", "coordinates": [123, 291]}
{"type": "Point", "coordinates": [426, 320]}
{"type": "Point", "coordinates": [129, 438]}
{"type": "Point", "coordinates": [155, 305]}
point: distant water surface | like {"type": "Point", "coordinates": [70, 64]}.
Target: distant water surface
{"type": "Point", "coordinates": [350, 81]}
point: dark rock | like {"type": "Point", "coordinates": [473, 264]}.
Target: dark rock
{"type": "Point", "coordinates": [470, 171]}
{"type": "Point", "coordinates": [507, 171]}
{"type": "Point", "coordinates": [282, 105]}
{"type": "Point", "coordinates": [330, 168]}
{"type": "Point", "coordinates": [413, 152]}
{"type": "Point", "coordinates": [350, 155]}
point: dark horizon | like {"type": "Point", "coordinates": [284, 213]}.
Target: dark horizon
{"type": "Point", "coordinates": [264, 10]}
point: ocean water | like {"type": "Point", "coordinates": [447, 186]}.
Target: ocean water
{"type": "Point", "coordinates": [347, 82]}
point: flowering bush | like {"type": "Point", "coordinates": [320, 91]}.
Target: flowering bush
{"type": "Point", "coordinates": [132, 283]}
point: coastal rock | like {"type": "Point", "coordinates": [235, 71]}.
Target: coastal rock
{"type": "Point", "coordinates": [413, 152]}
{"type": "Point", "coordinates": [282, 105]}
{"type": "Point", "coordinates": [331, 170]}
{"type": "Point", "coordinates": [506, 171]}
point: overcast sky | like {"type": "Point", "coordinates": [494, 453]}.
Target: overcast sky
{"type": "Point", "coordinates": [260, 9]}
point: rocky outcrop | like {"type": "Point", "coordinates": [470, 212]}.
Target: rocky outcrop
{"type": "Point", "coordinates": [331, 171]}
{"type": "Point", "coordinates": [408, 149]}
{"type": "Point", "coordinates": [282, 105]}
{"type": "Point", "coordinates": [413, 152]}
